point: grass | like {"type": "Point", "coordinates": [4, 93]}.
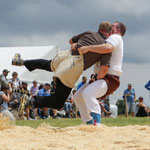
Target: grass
{"type": "Point", "coordinates": [123, 121]}
{"type": "Point", "coordinates": [120, 121]}
{"type": "Point", "coordinates": [52, 122]}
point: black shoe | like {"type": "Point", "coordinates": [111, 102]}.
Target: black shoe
{"type": "Point", "coordinates": [17, 61]}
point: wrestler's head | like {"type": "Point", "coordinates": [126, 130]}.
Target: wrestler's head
{"type": "Point", "coordinates": [106, 28]}
{"type": "Point", "coordinates": [118, 28]}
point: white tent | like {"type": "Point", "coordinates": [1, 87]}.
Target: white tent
{"type": "Point", "coordinates": [35, 52]}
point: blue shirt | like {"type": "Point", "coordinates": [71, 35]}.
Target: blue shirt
{"type": "Point", "coordinates": [147, 86]}
{"type": "Point", "coordinates": [131, 97]}
{"type": "Point", "coordinates": [42, 92]}
{"type": "Point", "coordinates": [80, 85]}
{"type": "Point", "coordinates": [4, 104]}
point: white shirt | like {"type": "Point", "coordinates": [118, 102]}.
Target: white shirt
{"type": "Point", "coordinates": [116, 58]}
{"type": "Point", "coordinates": [117, 55]}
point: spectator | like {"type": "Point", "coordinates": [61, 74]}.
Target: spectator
{"type": "Point", "coordinates": [92, 78]}
{"type": "Point", "coordinates": [41, 86]}
{"type": "Point", "coordinates": [15, 84]}
{"type": "Point", "coordinates": [3, 76]}
{"type": "Point", "coordinates": [141, 109]}
{"type": "Point", "coordinates": [4, 99]}
{"type": "Point", "coordinates": [44, 92]}
{"type": "Point", "coordinates": [52, 92]}
{"type": "Point", "coordinates": [84, 79]}
{"type": "Point", "coordinates": [15, 81]}
{"type": "Point", "coordinates": [129, 93]}
{"type": "Point", "coordinates": [74, 112]}
{"type": "Point", "coordinates": [34, 89]}
{"type": "Point", "coordinates": [68, 107]}
{"type": "Point", "coordinates": [24, 90]}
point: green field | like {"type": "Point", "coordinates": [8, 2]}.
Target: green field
{"type": "Point", "coordinates": [120, 121]}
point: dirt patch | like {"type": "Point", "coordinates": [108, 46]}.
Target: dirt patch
{"type": "Point", "coordinates": [81, 137]}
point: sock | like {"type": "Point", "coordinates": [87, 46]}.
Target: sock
{"type": "Point", "coordinates": [96, 117]}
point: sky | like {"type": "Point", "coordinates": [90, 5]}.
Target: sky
{"type": "Point", "coordinates": [54, 22]}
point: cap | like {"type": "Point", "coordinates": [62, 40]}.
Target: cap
{"type": "Point", "coordinates": [6, 70]}
{"type": "Point", "coordinates": [25, 83]}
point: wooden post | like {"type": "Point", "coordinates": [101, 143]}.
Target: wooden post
{"type": "Point", "coordinates": [126, 106]}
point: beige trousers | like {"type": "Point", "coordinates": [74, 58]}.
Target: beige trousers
{"type": "Point", "coordinates": [67, 67]}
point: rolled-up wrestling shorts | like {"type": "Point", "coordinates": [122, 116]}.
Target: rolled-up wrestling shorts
{"type": "Point", "coordinates": [61, 56]}
{"type": "Point", "coordinates": [113, 83]}
{"type": "Point", "coordinates": [69, 70]}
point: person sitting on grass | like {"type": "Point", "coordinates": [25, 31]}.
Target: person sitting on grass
{"type": "Point", "coordinates": [141, 109]}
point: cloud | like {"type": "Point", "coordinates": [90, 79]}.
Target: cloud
{"type": "Point", "coordinates": [60, 39]}
{"type": "Point", "coordinates": [44, 22]}
{"type": "Point", "coordinates": [137, 48]}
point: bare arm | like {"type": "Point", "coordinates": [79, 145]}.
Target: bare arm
{"type": "Point", "coordinates": [142, 105]}
{"type": "Point", "coordinates": [6, 98]}
{"type": "Point", "coordinates": [102, 72]}
{"type": "Point", "coordinates": [101, 49]}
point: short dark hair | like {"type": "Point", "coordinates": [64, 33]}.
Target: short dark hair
{"type": "Point", "coordinates": [140, 98]}
{"type": "Point", "coordinates": [14, 73]}
{"type": "Point", "coordinates": [47, 84]}
{"type": "Point", "coordinates": [84, 77]}
{"type": "Point", "coordinates": [92, 76]}
{"type": "Point", "coordinates": [122, 28]}
{"type": "Point", "coordinates": [34, 81]}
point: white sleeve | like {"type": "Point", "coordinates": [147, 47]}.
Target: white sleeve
{"type": "Point", "coordinates": [114, 40]}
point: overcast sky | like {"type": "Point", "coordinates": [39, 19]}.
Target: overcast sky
{"type": "Point", "coordinates": [54, 22]}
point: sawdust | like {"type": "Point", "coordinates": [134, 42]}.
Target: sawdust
{"type": "Point", "coordinates": [81, 137]}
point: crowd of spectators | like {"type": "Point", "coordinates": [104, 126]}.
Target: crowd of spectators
{"type": "Point", "coordinates": [13, 89]}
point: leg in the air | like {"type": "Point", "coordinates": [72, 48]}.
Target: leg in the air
{"type": "Point", "coordinates": [48, 65]}
{"type": "Point", "coordinates": [38, 64]}
{"type": "Point", "coordinates": [32, 64]}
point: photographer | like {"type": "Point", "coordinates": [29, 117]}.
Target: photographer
{"type": "Point", "coordinates": [4, 99]}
